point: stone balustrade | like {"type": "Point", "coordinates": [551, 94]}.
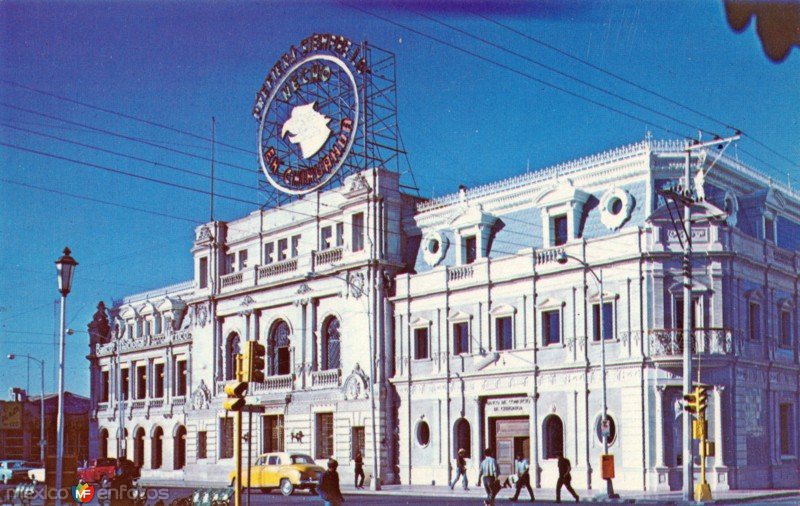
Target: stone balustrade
{"type": "Point", "coordinates": [326, 379]}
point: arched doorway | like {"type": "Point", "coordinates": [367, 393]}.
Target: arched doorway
{"type": "Point", "coordinates": [179, 445]}
{"type": "Point", "coordinates": [552, 437]}
{"type": "Point", "coordinates": [279, 349]}
{"type": "Point", "coordinates": [103, 440]}
{"type": "Point", "coordinates": [156, 448]}
{"type": "Point", "coordinates": [138, 447]}
{"type": "Point", "coordinates": [331, 344]}
{"type": "Point", "coordinates": [462, 437]}
{"type": "Point", "coordinates": [231, 350]}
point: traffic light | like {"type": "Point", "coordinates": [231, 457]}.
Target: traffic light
{"type": "Point", "coordinates": [701, 398]}
{"type": "Point", "coordinates": [253, 367]}
{"type": "Point", "coordinates": [690, 403]}
{"type": "Point", "coordinates": [236, 390]}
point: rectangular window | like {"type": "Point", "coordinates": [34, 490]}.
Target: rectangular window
{"type": "Point", "coordinates": [230, 260]}
{"type": "Point", "coordinates": [139, 328]}
{"type": "Point", "coordinates": [460, 338]}
{"type": "Point", "coordinates": [504, 333]}
{"type": "Point", "coordinates": [324, 435]}
{"type": "Point", "coordinates": [560, 230]}
{"type": "Point", "coordinates": [147, 327]}
{"type": "Point", "coordinates": [157, 324]}
{"type": "Point", "coordinates": [470, 249]}
{"type": "Point", "coordinates": [754, 320]}
{"type": "Point", "coordinates": [608, 321]}
{"type": "Point", "coordinates": [339, 234]}
{"type": "Point", "coordinates": [420, 343]}
{"type": "Point", "coordinates": [141, 381]}
{"type": "Point", "coordinates": [158, 378]}
{"type": "Point", "coordinates": [125, 383]}
{"type": "Point", "coordinates": [325, 238]}
{"type": "Point", "coordinates": [678, 323]}
{"type": "Point", "coordinates": [226, 438]}
{"type": "Point", "coordinates": [769, 229]}
{"type": "Point", "coordinates": [269, 253]}
{"type": "Point", "coordinates": [357, 436]}
{"type": "Point", "coordinates": [283, 249]}
{"type": "Point", "coordinates": [202, 444]}
{"type": "Point", "coordinates": [243, 260]}
{"type": "Point", "coordinates": [786, 421]}
{"type": "Point", "coordinates": [786, 328]}
{"type": "Point", "coordinates": [358, 232]}
{"type": "Point", "coordinates": [203, 272]}
{"type": "Point", "coordinates": [551, 327]}
{"type": "Point", "coordinates": [273, 433]}
{"type": "Point", "coordinates": [180, 377]}
{"type": "Point", "coordinates": [295, 245]}
{"type": "Point", "coordinates": [105, 384]}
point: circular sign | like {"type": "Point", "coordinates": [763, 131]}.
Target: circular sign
{"type": "Point", "coordinates": [308, 123]}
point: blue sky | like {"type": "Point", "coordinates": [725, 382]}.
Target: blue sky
{"type": "Point", "coordinates": [463, 119]}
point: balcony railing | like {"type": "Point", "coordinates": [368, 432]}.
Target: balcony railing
{"type": "Point", "coordinates": [179, 400]}
{"type": "Point", "coordinates": [328, 256]}
{"type": "Point", "coordinates": [284, 382]}
{"type": "Point", "coordinates": [278, 268]}
{"type": "Point", "coordinates": [549, 255]}
{"type": "Point", "coordinates": [711, 341]}
{"type": "Point", "coordinates": [461, 272]}
{"type": "Point", "coordinates": [326, 379]}
{"type": "Point", "coordinates": [232, 279]}
{"type": "Point", "coordinates": [139, 343]}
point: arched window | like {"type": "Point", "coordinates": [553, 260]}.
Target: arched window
{"type": "Point", "coordinates": [103, 443]}
{"type": "Point", "coordinates": [461, 437]}
{"type": "Point", "coordinates": [138, 447]}
{"type": "Point", "coordinates": [553, 437]}
{"type": "Point", "coordinates": [156, 447]}
{"type": "Point", "coordinates": [179, 446]}
{"type": "Point", "coordinates": [231, 350]}
{"type": "Point", "coordinates": [279, 349]}
{"type": "Point", "coordinates": [331, 345]}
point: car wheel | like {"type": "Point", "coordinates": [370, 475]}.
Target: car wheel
{"type": "Point", "coordinates": [287, 488]}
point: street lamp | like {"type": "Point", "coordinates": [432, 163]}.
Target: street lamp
{"type": "Point", "coordinates": [42, 441]}
{"type": "Point", "coordinates": [562, 259]}
{"type": "Point", "coordinates": [65, 268]}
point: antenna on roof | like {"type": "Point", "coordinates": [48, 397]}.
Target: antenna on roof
{"type": "Point", "coordinates": [213, 131]}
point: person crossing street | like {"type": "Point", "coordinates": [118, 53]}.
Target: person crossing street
{"type": "Point", "coordinates": [522, 468]}
{"type": "Point", "coordinates": [461, 470]}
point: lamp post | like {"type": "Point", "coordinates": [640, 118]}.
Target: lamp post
{"type": "Point", "coordinates": [562, 259]}
{"type": "Point", "coordinates": [65, 268]}
{"type": "Point", "coordinates": [42, 441]}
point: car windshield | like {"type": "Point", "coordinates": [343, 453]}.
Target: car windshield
{"type": "Point", "coordinates": [302, 459]}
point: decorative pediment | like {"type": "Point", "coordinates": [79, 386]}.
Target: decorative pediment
{"type": "Point", "coordinates": [561, 193]}
{"type": "Point", "coordinates": [420, 322]}
{"type": "Point", "coordinates": [355, 386]}
{"type": "Point", "coordinates": [785, 304]}
{"type": "Point", "coordinates": [147, 308]}
{"type": "Point", "coordinates": [503, 310]}
{"type": "Point", "coordinates": [701, 211]}
{"type": "Point", "coordinates": [594, 295]}
{"type": "Point", "coordinates": [201, 397]}
{"type": "Point", "coordinates": [128, 313]}
{"type": "Point", "coordinates": [470, 215]}
{"type": "Point", "coordinates": [775, 200]}
{"type": "Point", "coordinates": [459, 316]}
{"type": "Point", "coordinates": [754, 295]}
{"type": "Point", "coordinates": [550, 303]}
{"type": "Point", "coordinates": [697, 287]}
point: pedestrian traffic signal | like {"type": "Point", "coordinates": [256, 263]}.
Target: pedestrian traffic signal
{"type": "Point", "coordinates": [235, 390]}
{"type": "Point", "coordinates": [254, 362]}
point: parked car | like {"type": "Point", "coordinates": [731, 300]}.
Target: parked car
{"type": "Point", "coordinates": [13, 471]}
{"type": "Point", "coordinates": [284, 471]}
{"type": "Point", "coordinates": [36, 472]}
{"type": "Point", "coordinates": [103, 470]}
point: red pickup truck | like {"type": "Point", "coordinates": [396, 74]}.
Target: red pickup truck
{"type": "Point", "coordinates": [103, 470]}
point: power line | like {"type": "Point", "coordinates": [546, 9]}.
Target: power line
{"type": "Point", "coordinates": [514, 70]}
{"type": "Point", "coordinates": [123, 136]}
{"type": "Point", "coordinates": [124, 155]}
{"type": "Point", "coordinates": [559, 72]}
{"type": "Point", "coordinates": [122, 115]}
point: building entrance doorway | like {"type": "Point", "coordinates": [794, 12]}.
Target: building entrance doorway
{"type": "Point", "coordinates": [509, 437]}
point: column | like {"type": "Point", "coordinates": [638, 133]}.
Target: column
{"type": "Point", "coordinates": [662, 471]}
{"type": "Point", "coordinates": [720, 469]}
{"type": "Point", "coordinates": [477, 441]}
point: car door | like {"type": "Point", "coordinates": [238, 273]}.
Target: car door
{"type": "Point", "coordinates": [272, 471]}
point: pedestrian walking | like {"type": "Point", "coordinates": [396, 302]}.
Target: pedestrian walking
{"type": "Point", "coordinates": [329, 485]}
{"type": "Point", "coordinates": [488, 473]}
{"type": "Point", "coordinates": [359, 460]}
{"type": "Point", "coordinates": [522, 468]}
{"type": "Point", "coordinates": [564, 478]}
{"type": "Point", "coordinates": [461, 469]}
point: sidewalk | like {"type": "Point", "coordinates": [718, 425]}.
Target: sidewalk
{"type": "Point", "coordinates": [542, 494]}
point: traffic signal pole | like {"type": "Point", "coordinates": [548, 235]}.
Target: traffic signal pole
{"type": "Point", "coordinates": [237, 455]}
{"type": "Point", "coordinates": [688, 471]}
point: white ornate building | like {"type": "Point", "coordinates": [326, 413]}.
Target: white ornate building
{"type": "Point", "coordinates": [481, 338]}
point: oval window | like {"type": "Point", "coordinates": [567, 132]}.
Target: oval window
{"type": "Point", "coordinates": [423, 433]}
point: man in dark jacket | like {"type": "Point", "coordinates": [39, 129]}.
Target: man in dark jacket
{"type": "Point", "coordinates": [564, 478]}
{"type": "Point", "coordinates": [359, 462]}
{"type": "Point", "coordinates": [329, 485]}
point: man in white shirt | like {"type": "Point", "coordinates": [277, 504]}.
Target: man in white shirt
{"type": "Point", "coordinates": [522, 469]}
{"type": "Point", "coordinates": [488, 473]}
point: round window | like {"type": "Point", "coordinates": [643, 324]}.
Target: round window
{"type": "Point", "coordinates": [423, 433]}
{"type": "Point", "coordinates": [433, 246]}
{"type": "Point", "coordinates": [611, 428]}
{"type": "Point", "coordinates": [615, 206]}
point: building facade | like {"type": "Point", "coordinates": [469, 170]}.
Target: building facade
{"type": "Point", "coordinates": [498, 344]}
{"type": "Point", "coordinates": [480, 336]}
